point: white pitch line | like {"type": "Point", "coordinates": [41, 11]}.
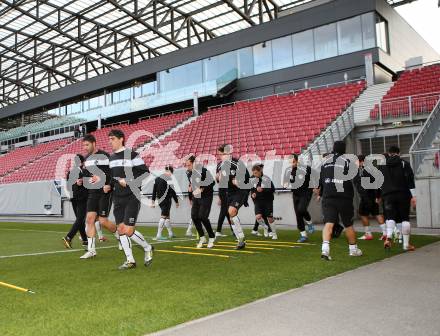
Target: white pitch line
{"type": "Point", "coordinates": [148, 237]}
{"type": "Point", "coordinates": [76, 250]}
{"type": "Point", "coordinates": [24, 230]}
{"type": "Point", "coordinates": [51, 252]}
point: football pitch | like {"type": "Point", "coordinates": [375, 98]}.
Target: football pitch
{"type": "Point", "coordinates": [92, 297]}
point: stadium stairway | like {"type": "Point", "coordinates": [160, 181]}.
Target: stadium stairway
{"type": "Point", "coordinates": [368, 99]}
{"type": "Point", "coordinates": [158, 139]}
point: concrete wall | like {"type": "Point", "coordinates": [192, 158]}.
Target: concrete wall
{"type": "Point", "coordinates": [283, 207]}
{"type": "Point", "coordinates": [404, 42]}
{"type": "Point", "coordinates": [428, 203]}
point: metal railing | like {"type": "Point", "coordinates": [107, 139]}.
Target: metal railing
{"type": "Point", "coordinates": [337, 130]}
{"type": "Point", "coordinates": [287, 93]}
{"type": "Point", "coordinates": [423, 143]}
{"type": "Point", "coordinates": [426, 163]}
{"type": "Point", "coordinates": [162, 114]}
{"type": "Point", "coordinates": [408, 107]}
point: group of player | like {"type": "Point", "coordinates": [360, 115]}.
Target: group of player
{"type": "Point", "coordinates": [396, 194]}
{"type": "Point", "coordinates": [100, 180]}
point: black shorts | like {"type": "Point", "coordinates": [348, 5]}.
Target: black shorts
{"type": "Point", "coordinates": [237, 199]}
{"type": "Point", "coordinates": [126, 209]}
{"type": "Point", "coordinates": [165, 208]}
{"type": "Point", "coordinates": [335, 208]}
{"type": "Point", "coordinates": [100, 203]}
{"type": "Point", "coordinates": [201, 207]}
{"type": "Point", "coordinates": [397, 207]}
{"type": "Point", "coordinates": [368, 206]}
{"type": "Point", "coordinates": [264, 208]}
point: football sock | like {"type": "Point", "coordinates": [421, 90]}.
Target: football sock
{"type": "Point", "coordinates": [126, 245]}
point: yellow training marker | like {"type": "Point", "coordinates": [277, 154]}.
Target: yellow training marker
{"type": "Point", "coordinates": [247, 247]}
{"type": "Point", "coordinates": [278, 242]}
{"type": "Point", "coordinates": [213, 249]}
{"type": "Point", "coordinates": [4, 284]}
{"type": "Point", "coordinates": [263, 244]}
{"type": "Point", "coordinates": [193, 253]}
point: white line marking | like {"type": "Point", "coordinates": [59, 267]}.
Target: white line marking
{"type": "Point", "coordinates": [24, 230]}
{"type": "Point", "coordinates": [51, 252]}
{"type": "Point", "coordinates": [148, 237]}
{"type": "Point", "coordinates": [76, 250]}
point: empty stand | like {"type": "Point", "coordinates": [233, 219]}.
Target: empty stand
{"type": "Point", "coordinates": [51, 167]}
{"type": "Point", "coordinates": [286, 124]}
{"type": "Point", "coordinates": [421, 85]}
{"type": "Point", "coordinates": [21, 156]}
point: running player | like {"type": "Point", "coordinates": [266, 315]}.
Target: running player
{"type": "Point", "coordinates": [201, 187]}
{"type": "Point", "coordinates": [163, 190]}
{"type": "Point", "coordinates": [79, 202]}
{"type": "Point", "coordinates": [126, 168]}
{"type": "Point", "coordinates": [337, 199]}
{"type": "Point", "coordinates": [233, 175]}
{"type": "Point", "coordinates": [97, 181]}
{"type": "Point", "coordinates": [398, 194]}
{"type": "Point", "coordinates": [267, 231]}
{"type": "Point", "coordinates": [223, 214]}
{"type": "Point", "coordinates": [298, 177]}
{"type": "Point", "coordinates": [262, 193]}
{"type": "Point", "coordinates": [368, 204]}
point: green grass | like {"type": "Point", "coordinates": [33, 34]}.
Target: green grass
{"type": "Point", "coordinates": [91, 297]}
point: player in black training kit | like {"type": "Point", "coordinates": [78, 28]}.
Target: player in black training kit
{"type": "Point", "coordinates": [223, 214]}
{"type": "Point", "coordinates": [233, 174]}
{"type": "Point", "coordinates": [201, 189]}
{"type": "Point", "coordinates": [127, 169]}
{"type": "Point", "coordinates": [297, 178]}
{"type": "Point", "coordinates": [398, 194]}
{"type": "Point", "coordinates": [337, 199]}
{"type": "Point", "coordinates": [97, 180]}
{"type": "Point", "coordinates": [262, 192]}
{"type": "Point", "coordinates": [163, 190]}
{"type": "Point", "coordinates": [368, 204]}
{"type": "Point", "coordinates": [79, 201]}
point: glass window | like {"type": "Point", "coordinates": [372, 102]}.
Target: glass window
{"type": "Point", "coordinates": [262, 57]}
{"type": "Point", "coordinates": [96, 102]}
{"type": "Point", "coordinates": [125, 94]}
{"type": "Point", "coordinates": [378, 145]}
{"type": "Point", "coordinates": [73, 108]}
{"type": "Point", "coordinates": [349, 35]}
{"type": "Point", "coordinates": [368, 33]}
{"type": "Point", "coordinates": [53, 112]}
{"type": "Point", "coordinates": [325, 41]}
{"type": "Point", "coordinates": [303, 49]}
{"type": "Point", "coordinates": [181, 76]}
{"type": "Point", "coordinates": [210, 67]}
{"type": "Point", "coordinates": [245, 62]}
{"type": "Point", "coordinates": [226, 63]}
{"type": "Point", "coordinates": [365, 146]}
{"type": "Point", "coordinates": [382, 33]}
{"type": "Point", "coordinates": [137, 91]}
{"type": "Point", "coordinates": [149, 88]}
{"type": "Point", "coordinates": [282, 52]}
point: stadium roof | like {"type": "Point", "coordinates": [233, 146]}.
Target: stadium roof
{"type": "Point", "coordinates": [48, 44]}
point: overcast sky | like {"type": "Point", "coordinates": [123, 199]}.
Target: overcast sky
{"type": "Point", "coordinates": [424, 17]}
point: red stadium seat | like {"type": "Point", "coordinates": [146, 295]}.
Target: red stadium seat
{"type": "Point", "coordinates": [286, 123]}
{"type": "Point", "coordinates": [423, 85]}
{"type": "Point", "coordinates": [42, 162]}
